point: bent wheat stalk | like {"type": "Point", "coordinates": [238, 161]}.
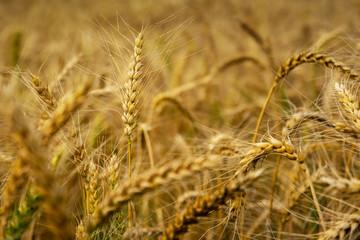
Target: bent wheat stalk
{"type": "Point", "coordinates": [295, 61]}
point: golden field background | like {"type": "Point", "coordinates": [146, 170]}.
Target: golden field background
{"type": "Point", "coordinates": [188, 80]}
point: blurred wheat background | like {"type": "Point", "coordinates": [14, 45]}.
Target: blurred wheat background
{"type": "Point", "coordinates": [179, 119]}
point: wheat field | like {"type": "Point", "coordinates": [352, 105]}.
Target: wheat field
{"type": "Point", "coordinates": [180, 120]}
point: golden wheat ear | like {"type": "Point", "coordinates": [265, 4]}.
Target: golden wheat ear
{"type": "Point", "coordinates": [349, 103]}
{"type": "Point", "coordinates": [133, 87]}
{"type": "Point", "coordinates": [64, 111]}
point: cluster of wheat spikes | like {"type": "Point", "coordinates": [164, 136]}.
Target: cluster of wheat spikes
{"type": "Point", "coordinates": [208, 158]}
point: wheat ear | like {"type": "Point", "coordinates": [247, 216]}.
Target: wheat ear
{"type": "Point", "coordinates": [295, 61]}
{"type": "Point", "coordinates": [147, 181]}
{"type": "Point", "coordinates": [350, 103]}
{"type": "Point", "coordinates": [263, 43]}
{"type": "Point", "coordinates": [63, 113]}
{"type": "Point", "coordinates": [343, 228]}
{"type": "Point", "coordinates": [80, 232]}
{"type": "Point", "coordinates": [22, 217]}
{"type": "Point", "coordinates": [46, 97]}
{"type": "Point", "coordinates": [205, 204]}
{"type": "Point", "coordinates": [341, 185]}
{"type": "Point", "coordinates": [93, 188]}
{"type": "Point", "coordinates": [113, 173]}
{"type": "Point", "coordinates": [132, 88]}
{"type": "Point", "coordinates": [284, 148]}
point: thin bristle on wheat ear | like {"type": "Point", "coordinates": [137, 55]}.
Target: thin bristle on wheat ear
{"type": "Point", "coordinates": [203, 205]}
{"type": "Point", "coordinates": [297, 119]}
{"type": "Point", "coordinates": [147, 181]}
{"type": "Point", "coordinates": [132, 87]}
{"type": "Point", "coordinates": [297, 60]}
{"type": "Point", "coordinates": [63, 113]}
{"type": "Point", "coordinates": [69, 67]}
